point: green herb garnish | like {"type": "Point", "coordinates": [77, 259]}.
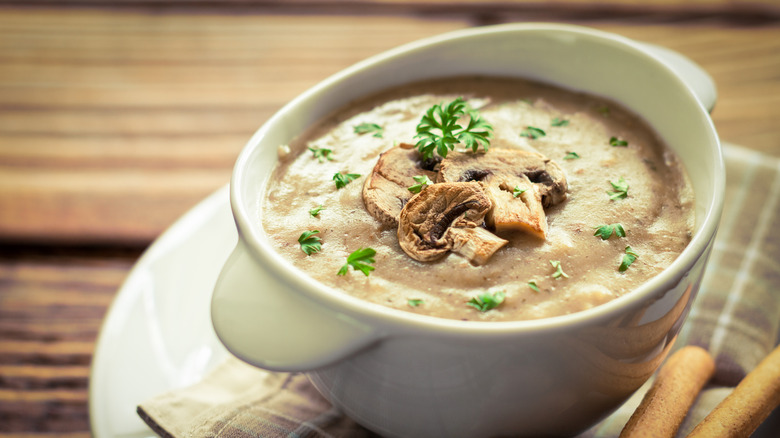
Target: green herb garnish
{"type": "Point", "coordinates": [368, 128]}
{"type": "Point", "coordinates": [606, 231]}
{"type": "Point", "coordinates": [422, 182]}
{"type": "Point", "coordinates": [620, 189]}
{"type": "Point", "coordinates": [604, 110]}
{"type": "Point", "coordinates": [614, 141]}
{"type": "Point", "coordinates": [487, 301]}
{"type": "Point", "coordinates": [628, 258]}
{"type": "Point", "coordinates": [559, 122]}
{"type": "Point", "coordinates": [517, 191]}
{"type": "Point", "coordinates": [532, 132]}
{"type": "Point", "coordinates": [314, 212]}
{"type": "Point", "coordinates": [533, 286]}
{"type": "Point", "coordinates": [309, 242]}
{"type": "Point", "coordinates": [571, 156]}
{"type": "Point", "coordinates": [414, 302]}
{"type": "Point", "coordinates": [358, 260]}
{"type": "Point", "coordinates": [558, 269]}
{"type": "Point", "coordinates": [439, 129]}
{"type": "Point", "coordinates": [321, 154]}
{"type": "Point", "coordinates": [342, 179]}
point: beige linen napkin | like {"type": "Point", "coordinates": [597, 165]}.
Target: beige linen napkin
{"type": "Point", "coordinates": [736, 317]}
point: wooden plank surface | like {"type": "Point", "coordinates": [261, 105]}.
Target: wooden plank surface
{"type": "Point", "coordinates": [51, 308]}
{"type": "Point", "coordinates": [115, 120]}
{"type": "Point", "coordinates": [112, 123]}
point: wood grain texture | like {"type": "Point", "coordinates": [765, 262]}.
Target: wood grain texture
{"type": "Point", "coordinates": [113, 123]}
{"type": "Point", "coordinates": [51, 310]}
{"type": "Point", "coordinates": [117, 117]}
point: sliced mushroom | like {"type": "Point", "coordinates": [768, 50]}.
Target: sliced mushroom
{"type": "Point", "coordinates": [540, 170]}
{"type": "Point", "coordinates": [502, 171]}
{"type": "Point", "coordinates": [386, 190]}
{"type": "Point", "coordinates": [476, 244]}
{"type": "Point", "coordinates": [522, 212]}
{"type": "Point", "coordinates": [426, 222]}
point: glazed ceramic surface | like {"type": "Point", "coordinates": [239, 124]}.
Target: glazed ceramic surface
{"type": "Point", "coordinates": [407, 375]}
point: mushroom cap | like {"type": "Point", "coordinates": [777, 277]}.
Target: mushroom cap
{"type": "Point", "coordinates": [386, 190]}
{"type": "Point", "coordinates": [501, 172]}
{"type": "Point", "coordinates": [545, 173]}
{"type": "Point", "coordinates": [424, 220]}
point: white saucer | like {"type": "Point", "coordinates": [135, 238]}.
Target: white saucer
{"type": "Point", "coordinates": [158, 335]}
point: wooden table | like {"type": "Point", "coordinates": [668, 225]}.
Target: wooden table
{"type": "Point", "coordinates": [116, 118]}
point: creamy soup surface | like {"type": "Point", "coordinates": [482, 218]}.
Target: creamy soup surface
{"type": "Point", "coordinates": [657, 214]}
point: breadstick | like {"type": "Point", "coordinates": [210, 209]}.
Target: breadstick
{"type": "Point", "coordinates": [756, 396]}
{"type": "Point", "coordinates": [676, 387]}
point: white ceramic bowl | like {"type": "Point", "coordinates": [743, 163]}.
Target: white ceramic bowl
{"type": "Point", "coordinates": [407, 375]}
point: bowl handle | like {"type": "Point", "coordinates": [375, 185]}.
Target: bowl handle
{"type": "Point", "coordinates": [267, 323]}
{"type": "Point", "coordinates": [691, 73]}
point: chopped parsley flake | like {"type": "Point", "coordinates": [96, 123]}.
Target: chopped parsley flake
{"type": "Point", "coordinates": [559, 122]}
{"type": "Point", "coordinates": [368, 128]}
{"type": "Point", "coordinates": [422, 182]}
{"type": "Point", "coordinates": [414, 302]}
{"type": "Point", "coordinates": [558, 269]}
{"type": "Point", "coordinates": [604, 110]}
{"type": "Point", "coordinates": [314, 212]}
{"type": "Point", "coordinates": [628, 258]}
{"type": "Point", "coordinates": [606, 231]}
{"type": "Point", "coordinates": [321, 154]}
{"type": "Point", "coordinates": [532, 132]}
{"type": "Point", "coordinates": [309, 242]}
{"type": "Point", "coordinates": [439, 129]}
{"type": "Point", "coordinates": [614, 141]}
{"type": "Point", "coordinates": [487, 301]}
{"type": "Point", "coordinates": [620, 189]}
{"type": "Point", "coordinates": [517, 191]}
{"type": "Point", "coordinates": [571, 156]}
{"type": "Point", "coordinates": [342, 179]}
{"type": "Point", "coordinates": [359, 260]}
{"type": "Point", "coordinates": [533, 286]}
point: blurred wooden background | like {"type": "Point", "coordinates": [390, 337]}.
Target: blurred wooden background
{"type": "Point", "coordinates": [116, 117]}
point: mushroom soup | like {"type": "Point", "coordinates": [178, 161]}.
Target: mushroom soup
{"type": "Point", "coordinates": [399, 200]}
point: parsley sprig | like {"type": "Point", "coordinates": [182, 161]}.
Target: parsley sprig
{"type": "Point", "coordinates": [422, 182]}
{"type": "Point", "coordinates": [606, 231]}
{"type": "Point", "coordinates": [321, 154]}
{"type": "Point", "coordinates": [439, 130]}
{"type": "Point", "coordinates": [487, 301]}
{"type": "Point", "coordinates": [342, 179]}
{"type": "Point", "coordinates": [558, 269]}
{"type": "Point", "coordinates": [309, 242]}
{"type": "Point", "coordinates": [359, 260]}
{"type": "Point", "coordinates": [614, 141]}
{"type": "Point", "coordinates": [368, 128]}
{"type": "Point", "coordinates": [314, 212]}
{"type": "Point", "coordinates": [620, 189]}
{"type": "Point", "coordinates": [414, 302]}
{"type": "Point", "coordinates": [532, 132]}
{"type": "Point", "coordinates": [629, 258]}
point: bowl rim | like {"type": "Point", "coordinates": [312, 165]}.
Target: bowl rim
{"type": "Point", "coordinates": [392, 320]}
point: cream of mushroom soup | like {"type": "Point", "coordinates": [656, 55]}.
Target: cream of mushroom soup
{"type": "Point", "coordinates": [575, 202]}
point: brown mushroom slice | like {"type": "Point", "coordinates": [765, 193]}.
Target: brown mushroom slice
{"type": "Point", "coordinates": [546, 174]}
{"type": "Point", "coordinates": [476, 243]}
{"type": "Point", "coordinates": [503, 170]}
{"type": "Point", "coordinates": [522, 212]}
{"type": "Point", "coordinates": [386, 189]}
{"type": "Point", "coordinates": [424, 221]}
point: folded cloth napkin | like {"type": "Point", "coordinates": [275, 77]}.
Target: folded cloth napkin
{"type": "Point", "coordinates": [736, 317]}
